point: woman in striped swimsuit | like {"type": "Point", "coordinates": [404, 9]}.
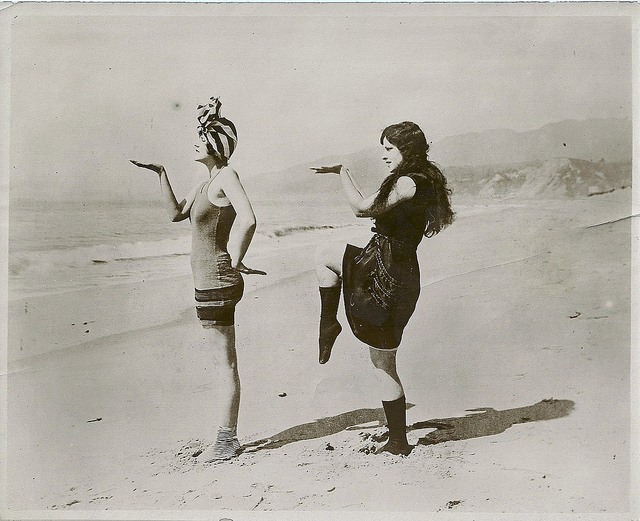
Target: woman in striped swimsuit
{"type": "Point", "coordinates": [223, 224]}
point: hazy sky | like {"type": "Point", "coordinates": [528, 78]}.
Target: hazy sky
{"type": "Point", "coordinates": [94, 86]}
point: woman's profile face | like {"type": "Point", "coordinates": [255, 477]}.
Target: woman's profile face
{"type": "Point", "coordinates": [201, 148]}
{"type": "Point", "coordinates": [391, 155]}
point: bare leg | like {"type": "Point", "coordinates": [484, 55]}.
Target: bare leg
{"type": "Point", "coordinates": [220, 340]}
{"type": "Point", "coordinates": [328, 260]}
{"type": "Point", "coordinates": [393, 401]}
{"type": "Point", "coordinates": [384, 362]}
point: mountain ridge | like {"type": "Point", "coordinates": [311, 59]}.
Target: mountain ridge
{"type": "Point", "coordinates": [592, 139]}
{"type": "Point", "coordinates": [559, 177]}
{"type": "Point", "coordinates": [584, 152]}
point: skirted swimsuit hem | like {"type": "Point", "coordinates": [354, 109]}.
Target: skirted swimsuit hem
{"type": "Point", "coordinates": [383, 348]}
{"type": "Point", "coordinates": [381, 286]}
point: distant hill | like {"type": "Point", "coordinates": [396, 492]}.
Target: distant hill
{"type": "Point", "coordinates": [558, 177]}
{"type": "Point", "coordinates": [592, 139]}
{"type": "Point", "coordinates": [495, 162]}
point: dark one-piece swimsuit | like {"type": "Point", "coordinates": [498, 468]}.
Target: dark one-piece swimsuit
{"type": "Point", "coordinates": [381, 282]}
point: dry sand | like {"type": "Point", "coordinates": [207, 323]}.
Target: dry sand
{"type": "Point", "coordinates": [516, 365]}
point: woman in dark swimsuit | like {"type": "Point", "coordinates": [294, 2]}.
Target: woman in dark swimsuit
{"type": "Point", "coordinates": [223, 224]}
{"type": "Point", "coordinates": [381, 282]}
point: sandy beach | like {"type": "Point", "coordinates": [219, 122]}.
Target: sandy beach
{"type": "Point", "coordinates": [516, 366]}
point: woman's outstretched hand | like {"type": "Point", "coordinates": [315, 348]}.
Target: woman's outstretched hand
{"type": "Point", "coordinates": [335, 169]}
{"type": "Point", "coordinates": [248, 271]}
{"type": "Point", "coordinates": [158, 169]}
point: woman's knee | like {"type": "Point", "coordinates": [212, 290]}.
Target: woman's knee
{"type": "Point", "coordinates": [322, 254]}
{"type": "Point", "coordinates": [384, 360]}
{"type": "Point", "coordinates": [329, 255]}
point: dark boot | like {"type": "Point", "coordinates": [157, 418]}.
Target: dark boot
{"type": "Point", "coordinates": [329, 326]}
{"type": "Point", "coordinates": [396, 413]}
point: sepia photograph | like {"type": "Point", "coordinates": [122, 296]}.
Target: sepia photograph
{"type": "Point", "coordinates": [360, 261]}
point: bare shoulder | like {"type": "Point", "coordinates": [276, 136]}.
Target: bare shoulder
{"type": "Point", "coordinates": [228, 173]}
{"type": "Point", "coordinates": [405, 187]}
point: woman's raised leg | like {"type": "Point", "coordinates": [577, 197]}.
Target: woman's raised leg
{"type": "Point", "coordinates": [328, 262]}
{"type": "Point", "coordinates": [393, 400]}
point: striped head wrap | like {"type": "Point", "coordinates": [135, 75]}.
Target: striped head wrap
{"type": "Point", "coordinates": [219, 132]}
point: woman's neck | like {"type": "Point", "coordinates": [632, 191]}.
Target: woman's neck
{"type": "Point", "coordinates": [211, 165]}
{"type": "Point", "coordinates": [214, 171]}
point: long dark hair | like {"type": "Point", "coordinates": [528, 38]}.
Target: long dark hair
{"type": "Point", "coordinates": [410, 140]}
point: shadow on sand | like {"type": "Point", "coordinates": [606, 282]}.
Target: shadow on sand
{"type": "Point", "coordinates": [319, 428]}
{"type": "Point", "coordinates": [488, 421]}
{"type": "Point", "coordinates": [482, 422]}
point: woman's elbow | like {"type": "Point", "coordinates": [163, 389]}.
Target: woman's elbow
{"type": "Point", "coordinates": [248, 222]}
{"type": "Point", "coordinates": [362, 212]}
{"type": "Point", "coordinates": [177, 213]}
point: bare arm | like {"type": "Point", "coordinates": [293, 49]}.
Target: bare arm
{"type": "Point", "coordinates": [404, 189]}
{"type": "Point", "coordinates": [177, 211]}
{"type": "Point", "coordinates": [244, 225]}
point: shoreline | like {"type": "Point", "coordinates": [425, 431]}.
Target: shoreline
{"type": "Point", "coordinates": [78, 323]}
{"type": "Point", "coordinates": [104, 264]}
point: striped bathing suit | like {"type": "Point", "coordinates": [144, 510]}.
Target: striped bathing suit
{"type": "Point", "coordinates": [219, 287]}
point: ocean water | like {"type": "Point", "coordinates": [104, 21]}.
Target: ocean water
{"type": "Point", "coordinates": [63, 246]}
